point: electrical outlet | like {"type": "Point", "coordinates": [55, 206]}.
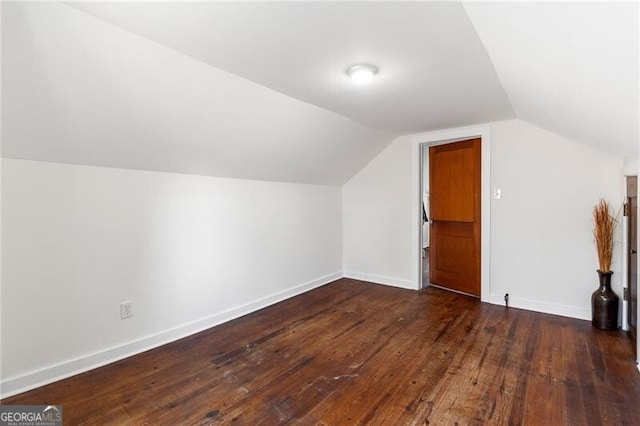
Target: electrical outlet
{"type": "Point", "coordinates": [126, 309]}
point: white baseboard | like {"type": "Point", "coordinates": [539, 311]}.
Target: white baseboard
{"type": "Point", "coordinates": [544, 307]}
{"type": "Point", "coordinates": [378, 279]}
{"type": "Point", "coordinates": [514, 302]}
{"type": "Point", "coordinates": [44, 376]}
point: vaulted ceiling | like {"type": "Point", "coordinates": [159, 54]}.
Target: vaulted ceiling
{"type": "Point", "coordinates": [434, 71]}
{"type": "Point", "coordinates": [571, 68]}
{"type": "Point", "coordinates": [259, 90]}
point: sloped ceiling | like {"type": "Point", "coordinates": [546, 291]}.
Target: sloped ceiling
{"type": "Point", "coordinates": [434, 71]}
{"type": "Point", "coordinates": [78, 90]}
{"type": "Point", "coordinates": [259, 90]}
{"type": "Point", "coordinates": [571, 68]}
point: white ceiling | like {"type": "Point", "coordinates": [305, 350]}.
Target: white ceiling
{"type": "Point", "coordinates": [259, 90]}
{"type": "Point", "coordinates": [434, 71]}
{"type": "Point", "coordinates": [571, 68]}
{"type": "Point", "coordinates": [78, 90]}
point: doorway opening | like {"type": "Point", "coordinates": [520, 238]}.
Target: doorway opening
{"type": "Point", "coordinates": [440, 138]}
{"type": "Point", "coordinates": [454, 224]}
{"type": "Point", "coordinates": [451, 206]}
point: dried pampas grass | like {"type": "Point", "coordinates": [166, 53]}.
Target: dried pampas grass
{"type": "Point", "coordinates": [604, 223]}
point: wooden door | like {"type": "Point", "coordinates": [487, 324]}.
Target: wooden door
{"type": "Point", "coordinates": [454, 185]}
{"type": "Point", "coordinates": [632, 296]}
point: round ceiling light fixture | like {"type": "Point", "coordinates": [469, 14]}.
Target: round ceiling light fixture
{"type": "Point", "coordinates": [362, 73]}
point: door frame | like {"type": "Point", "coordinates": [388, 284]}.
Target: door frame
{"type": "Point", "coordinates": [423, 141]}
{"type": "Point", "coordinates": [624, 264]}
{"type": "Point", "coordinates": [624, 320]}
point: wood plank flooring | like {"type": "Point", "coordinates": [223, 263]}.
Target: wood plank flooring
{"type": "Point", "coordinates": [358, 353]}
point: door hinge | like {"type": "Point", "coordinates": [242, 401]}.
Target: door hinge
{"type": "Point", "coordinates": [625, 209]}
{"type": "Point", "coordinates": [625, 293]}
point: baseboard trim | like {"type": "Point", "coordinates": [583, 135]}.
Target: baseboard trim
{"type": "Point", "coordinates": [379, 279]}
{"type": "Point", "coordinates": [22, 383]}
{"type": "Point", "coordinates": [543, 307]}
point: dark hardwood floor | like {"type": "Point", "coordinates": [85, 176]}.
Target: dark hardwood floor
{"type": "Point", "coordinates": [358, 353]}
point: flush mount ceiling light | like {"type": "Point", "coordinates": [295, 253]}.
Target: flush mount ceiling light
{"type": "Point", "coordinates": [362, 73]}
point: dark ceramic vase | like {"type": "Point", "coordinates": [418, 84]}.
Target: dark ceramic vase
{"type": "Point", "coordinates": [604, 304]}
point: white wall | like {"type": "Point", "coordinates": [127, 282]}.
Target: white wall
{"type": "Point", "coordinates": [541, 245]}
{"type": "Point", "coordinates": [542, 250]}
{"type": "Point", "coordinates": [189, 251]}
{"type": "Point", "coordinates": [630, 166]}
{"type": "Point", "coordinates": [79, 90]}
{"type": "Point", "coordinates": [1, 130]}
{"type": "Point", "coordinates": [377, 219]}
